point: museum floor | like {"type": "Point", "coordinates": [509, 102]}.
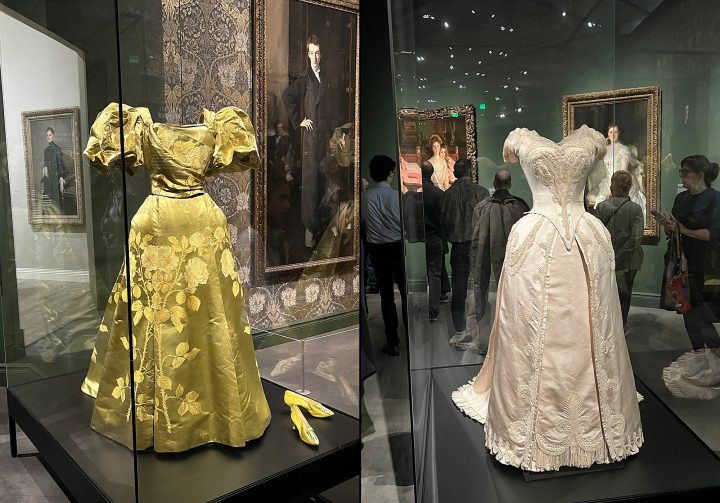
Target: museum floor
{"type": "Point", "coordinates": [657, 338]}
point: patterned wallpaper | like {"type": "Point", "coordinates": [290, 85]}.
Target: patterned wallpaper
{"type": "Point", "coordinates": [207, 55]}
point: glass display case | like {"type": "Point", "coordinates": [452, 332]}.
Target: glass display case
{"type": "Point", "coordinates": [155, 309]}
{"type": "Point", "coordinates": [644, 79]}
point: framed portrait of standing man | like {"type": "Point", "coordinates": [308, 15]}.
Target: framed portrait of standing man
{"type": "Point", "coordinates": [53, 166]}
{"type": "Point", "coordinates": [306, 116]}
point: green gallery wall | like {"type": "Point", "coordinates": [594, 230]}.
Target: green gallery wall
{"type": "Point", "coordinates": [674, 47]}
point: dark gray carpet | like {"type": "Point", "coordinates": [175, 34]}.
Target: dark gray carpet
{"type": "Point", "coordinates": [23, 479]}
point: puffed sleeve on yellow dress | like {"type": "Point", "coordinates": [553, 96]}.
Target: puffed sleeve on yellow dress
{"type": "Point", "coordinates": [196, 380]}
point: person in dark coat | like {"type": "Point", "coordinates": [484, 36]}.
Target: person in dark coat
{"type": "Point", "coordinates": [434, 255]}
{"type": "Point", "coordinates": [493, 219]}
{"type": "Point", "coordinates": [310, 104]}
{"type": "Point", "coordinates": [624, 220]}
{"type": "Point", "coordinates": [458, 204]}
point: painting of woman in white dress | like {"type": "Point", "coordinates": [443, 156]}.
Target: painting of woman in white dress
{"type": "Point", "coordinates": [619, 157]}
{"type": "Point", "coordinates": [440, 136]}
{"type": "Point", "coordinates": [630, 121]}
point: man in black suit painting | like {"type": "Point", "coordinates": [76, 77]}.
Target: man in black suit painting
{"type": "Point", "coordinates": [310, 106]}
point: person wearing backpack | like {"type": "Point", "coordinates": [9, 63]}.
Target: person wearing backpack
{"type": "Point", "coordinates": [492, 220]}
{"type": "Point", "coordinates": [624, 221]}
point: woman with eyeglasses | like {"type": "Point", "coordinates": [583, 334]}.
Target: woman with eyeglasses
{"type": "Point", "coordinates": [696, 216]}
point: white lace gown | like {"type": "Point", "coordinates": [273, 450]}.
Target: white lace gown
{"type": "Point", "coordinates": [557, 388]}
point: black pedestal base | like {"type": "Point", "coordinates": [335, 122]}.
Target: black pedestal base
{"type": "Point", "coordinates": [672, 465]}
{"type": "Point", "coordinates": [55, 415]}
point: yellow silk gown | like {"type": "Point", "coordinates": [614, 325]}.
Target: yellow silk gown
{"type": "Point", "coordinates": [195, 373]}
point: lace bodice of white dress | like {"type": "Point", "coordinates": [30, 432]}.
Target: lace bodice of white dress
{"type": "Point", "coordinates": [557, 172]}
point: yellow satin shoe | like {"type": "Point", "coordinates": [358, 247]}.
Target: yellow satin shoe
{"type": "Point", "coordinates": [307, 434]}
{"type": "Point", "coordinates": [316, 409]}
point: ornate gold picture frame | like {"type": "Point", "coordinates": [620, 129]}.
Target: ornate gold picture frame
{"type": "Point", "coordinates": [455, 129]}
{"type": "Point", "coordinates": [306, 104]}
{"type": "Point", "coordinates": [53, 166]}
{"type": "Point", "coordinates": [636, 115]}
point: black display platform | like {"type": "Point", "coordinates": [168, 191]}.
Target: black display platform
{"type": "Point", "coordinates": [55, 415]}
{"type": "Point", "coordinates": [672, 465]}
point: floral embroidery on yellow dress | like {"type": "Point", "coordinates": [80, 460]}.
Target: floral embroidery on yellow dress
{"type": "Point", "coordinates": [195, 374]}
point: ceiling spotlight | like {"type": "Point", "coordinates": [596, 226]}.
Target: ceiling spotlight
{"type": "Point", "coordinates": [452, 67]}
{"type": "Point", "coordinates": [510, 30]}
{"type": "Point", "coordinates": [564, 14]}
{"type": "Point", "coordinates": [497, 98]}
{"type": "Point", "coordinates": [517, 88]}
{"type": "Point", "coordinates": [466, 73]}
{"type": "Point", "coordinates": [502, 115]}
{"type": "Point", "coordinates": [489, 52]}
{"type": "Point", "coordinates": [471, 10]}
{"type": "Point", "coordinates": [479, 62]}
{"type": "Point", "coordinates": [590, 24]}
{"type": "Point", "coordinates": [446, 24]}
{"type": "Point", "coordinates": [505, 55]}
{"type": "Point", "coordinates": [505, 86]}
{"type": "Point", "coordinates": [469, 48]}
{"type": "Point", "coordinates": [519, 110]}
{"type": "Point", "coordinates": [482, 74]}
{"type": "Point", "coordinates": [492, 16]}
{"type": "Point", "coordinates": [450, 47]}
{"type": "Point", "coordinates": [524, 72]}
{"type": "Point", "coordinates": [478, 73]}
{"type": "Point", "coordinates": [502, 28]}
{"type": "Point", "coordinates": [452, 55]}
{"type": "Point", "coordinates": [454, 81]}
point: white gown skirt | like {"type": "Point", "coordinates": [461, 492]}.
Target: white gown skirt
{"type": "Point", "coordinates": [557, 387]}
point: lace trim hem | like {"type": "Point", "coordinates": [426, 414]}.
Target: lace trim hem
{"type": "Point", "coordinates": [574, 456]}
{"type": "Point", "coordinates": [472, 404]}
